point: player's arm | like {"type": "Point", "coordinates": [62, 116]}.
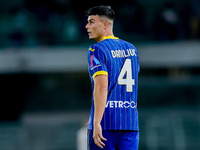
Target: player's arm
{"type": "Point", "coordinates": [100, 98]}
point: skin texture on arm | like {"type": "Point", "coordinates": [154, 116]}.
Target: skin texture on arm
{"type": "Point", "coordinates": [100, 98]}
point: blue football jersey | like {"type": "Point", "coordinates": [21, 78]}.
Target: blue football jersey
{"type": "Point", "coordinates": [118, 60]}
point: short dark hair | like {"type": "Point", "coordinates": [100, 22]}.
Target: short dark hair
{"type": "Point", "coordinates": [102, 10]}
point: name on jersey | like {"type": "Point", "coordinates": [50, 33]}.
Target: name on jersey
{"type": "Point", "coordinates": [121, 104]}
{"type": "Point", "coordinates": [123, 53]}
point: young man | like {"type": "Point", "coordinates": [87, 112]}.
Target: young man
{"type": "Point", "coordinates": [113, 69]}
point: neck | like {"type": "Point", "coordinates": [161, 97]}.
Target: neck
{"type": "Point", "coordinates": [105, 34]}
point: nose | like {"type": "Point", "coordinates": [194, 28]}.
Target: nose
{"type": "Point", "coordinates": [86, 26]}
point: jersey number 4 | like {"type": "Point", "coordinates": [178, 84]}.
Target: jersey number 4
{"type": "Point", "coordinates": [125, 76]}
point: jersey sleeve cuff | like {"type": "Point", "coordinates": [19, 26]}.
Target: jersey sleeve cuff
{"type": "Point", "coordinates": [100, 73]}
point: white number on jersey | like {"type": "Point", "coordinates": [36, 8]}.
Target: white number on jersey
{"type": "Point", "coordinates": [128, 81]}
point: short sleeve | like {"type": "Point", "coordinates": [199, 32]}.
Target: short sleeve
{"type": "Point", "coordinates": [96, 62]}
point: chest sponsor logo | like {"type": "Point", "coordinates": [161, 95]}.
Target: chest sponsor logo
{"type": "Point", "coordinates": [121, 104]}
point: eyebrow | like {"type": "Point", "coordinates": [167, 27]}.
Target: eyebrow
{"type": "Point", "coordinates": [91, 20]}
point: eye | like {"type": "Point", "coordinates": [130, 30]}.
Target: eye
{"type": "Point", "coordinates": [91, 21]}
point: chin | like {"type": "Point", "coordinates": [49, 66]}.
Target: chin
{"type": "Point", "coordinates": [91, 38]}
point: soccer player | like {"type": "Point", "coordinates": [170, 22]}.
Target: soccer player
{"type": "Point", "coordinates": [113, 68]}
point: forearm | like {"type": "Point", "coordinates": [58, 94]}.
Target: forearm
{"type": "Point", "coordinates": [100, 98]}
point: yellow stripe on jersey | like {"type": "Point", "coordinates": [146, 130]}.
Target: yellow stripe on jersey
{"type": "Point", "coordinates": [100, 73]}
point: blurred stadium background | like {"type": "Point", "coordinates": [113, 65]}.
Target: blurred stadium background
{"type": "Point", "coordinates": [45, 87]}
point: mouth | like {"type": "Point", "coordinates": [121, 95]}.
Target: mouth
{"type": "Point", "coordinates": [89, 33]}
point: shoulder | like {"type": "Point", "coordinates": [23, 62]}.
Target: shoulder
{"type": "Point", "coordinates": [128, 43]}
{"type": "Point", "coordinates": [98, 47]}
{"type": "Point", "coordinates": [95, 51]}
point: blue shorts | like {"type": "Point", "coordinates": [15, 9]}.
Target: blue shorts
{"type": "Point", "coordinates": [116, 140]}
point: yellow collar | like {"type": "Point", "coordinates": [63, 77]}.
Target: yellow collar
{"type": "Point", "coordinates": [110, 37]}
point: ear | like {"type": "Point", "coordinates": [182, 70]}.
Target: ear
{"type": "Point", "coordinates": [106, 24]}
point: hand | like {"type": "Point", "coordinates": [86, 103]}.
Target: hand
{"type": "Point", "coordinates": [97, 135]}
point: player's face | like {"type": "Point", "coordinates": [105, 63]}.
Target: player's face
{"type": "Point", "coordinates": [95, 27]}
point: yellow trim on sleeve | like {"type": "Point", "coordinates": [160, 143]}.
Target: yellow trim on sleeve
{"type": "Point", "coordinates": [100, 73]}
